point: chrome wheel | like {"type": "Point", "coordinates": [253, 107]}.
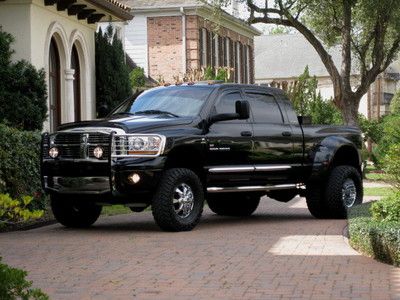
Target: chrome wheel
{"type": "Point", "coordinates": [349, 192]}
{"type": "Point", "coordinates": [183, 200]}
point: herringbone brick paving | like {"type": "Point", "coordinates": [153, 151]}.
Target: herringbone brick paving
{"type": "Point", "coordinates": [279, 253]}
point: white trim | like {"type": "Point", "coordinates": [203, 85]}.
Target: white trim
{"type": "Point", "coordinates": [78, 39]}
{"type": "Point", "coordinates": [216, 52]}
{"type": "Point", "coordinates": [231, 169]}
{"type": "Point", "coordinates": [184, 52]}
{"type": "Point", "coordinates": [271, 168]}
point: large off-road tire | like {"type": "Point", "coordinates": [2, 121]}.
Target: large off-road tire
{"type": "Point", "coordinates": [344, 190]}
{"type": "Point", "coordinates": [331, 199]}
{"type": "Point", "coordinates": [236, 205]}
{"type": "Point", "coordinates": [282, 195]}
{"type": "Point", "coordinates": [178, 202]}
{"type": "Point", "coordinates": [73, 212]}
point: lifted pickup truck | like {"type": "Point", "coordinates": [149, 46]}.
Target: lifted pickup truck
{"type": "Point", "coordinates": [173, 147]}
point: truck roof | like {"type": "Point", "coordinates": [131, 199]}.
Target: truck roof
{"type": "Point", "coordinates": [217, 83]}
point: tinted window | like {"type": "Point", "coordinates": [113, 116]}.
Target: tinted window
{"type": "Point", "coordinates": [226, 104]}
{"type": "Point", "coordinates": [264, 107]}
{"type": "Point", "coordinates": [181, 101]}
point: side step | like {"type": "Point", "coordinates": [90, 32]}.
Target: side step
{"type": "Point", "coordinates": [265, 188]}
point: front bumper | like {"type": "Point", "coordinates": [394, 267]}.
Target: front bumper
{"type": "Point", "coordinates": [103, 178]}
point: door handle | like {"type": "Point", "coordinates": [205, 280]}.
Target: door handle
{"type": "Point", "coordinates": [286, 133]}
{"type": "Point", "coordinates": [246, 133]}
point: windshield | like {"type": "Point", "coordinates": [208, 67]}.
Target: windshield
{"type": "Point", "coordinates": [180, 101]}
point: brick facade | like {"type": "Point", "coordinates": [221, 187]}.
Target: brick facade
{"type": "Point", "coordinates": [165, 45]}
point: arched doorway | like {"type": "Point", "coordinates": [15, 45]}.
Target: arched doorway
{"type": "Point", "coordinates": [75, 64]}
{"type": "Point", "coordinates": [54, 86]}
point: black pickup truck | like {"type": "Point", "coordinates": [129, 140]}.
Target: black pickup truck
{"type": "Point", "coordinates": [173, 147]}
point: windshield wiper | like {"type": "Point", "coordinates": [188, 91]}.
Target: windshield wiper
{"type": "Point", "coordinates": [123, 113]}
{"type": "Point", "coordinates": [154, 112]}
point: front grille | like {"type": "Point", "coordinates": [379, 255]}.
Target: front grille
{"type": "Point", "coordinates": [77, 145]}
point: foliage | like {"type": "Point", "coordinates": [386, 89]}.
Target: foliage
{"type": "Point", "coordinates": [112, 74]}
{"type": "Point", "coordinates": [13, 285]}
{"type": "Point", "coordinates": [391, 164]}
{"type": "Point", "coordinates": [278, 30]}
{"type": "Point", "coordinates": [307, 101]}
{"type": "Point", "coordinates": [23, 95]}
{"type": "Point", "coordinates": [19, 164]}
{"type": "Point", "coordinates": [388, 134]}
{"type": "Point", "coordinates": [370, 128]}
{"type": "Point", "coordinates": [395, 104]}
{"type": "Point", "coordinates": [137, 77]}
{"type": "Point", "coordinates": [14, 211]}
{"type": "Point", "coordinates": [207, 73]}
{"type": "Point", "coordinates": [387, 209]}
{"type": "Point", "coordinates": [366, 31]}
{"type": "Point", "coordinates": [380, 240]}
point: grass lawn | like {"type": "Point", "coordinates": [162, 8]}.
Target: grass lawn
{"type": "Point", "coordinates": [377, 191]}
{"type": "Point", "coordinates": [115, 210]}
{"type": "Point", "coordinates": [372, 173]}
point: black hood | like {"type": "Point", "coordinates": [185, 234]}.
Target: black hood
{"type": "Point", "coordinates": [132, 123]}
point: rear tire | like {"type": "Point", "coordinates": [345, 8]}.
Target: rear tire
{"type": "Point", "coordinates": [179, 200]}
{"type": "Point", "coordinates": [236, 205]}
{"type": "Point", "coordinates": [74, 213]}
{"type": "Point", "coordinates": [342, 190]}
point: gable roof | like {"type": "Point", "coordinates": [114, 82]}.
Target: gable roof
{"type": "Point", "coordinates": [156, 6]}
{"type": "Point", "coordinates": [287, 55]}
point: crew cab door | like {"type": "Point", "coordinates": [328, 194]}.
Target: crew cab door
{"type": "Point", "coordinates": [273, 145]}
{"type": "Point", "coordinates": [229, 143]}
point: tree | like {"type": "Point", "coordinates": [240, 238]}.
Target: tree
{"type": "Point", "coordinates": [112, 73]}
{"type": "Point", "coordinates": [307, 101]}
{"type": "Point", "coordinates": [368, 32]}
{"type": "Point", "coordinates": [23, 95]}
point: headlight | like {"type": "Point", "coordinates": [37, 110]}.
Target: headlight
{"type": "Point", "coordinates": [138, 145]}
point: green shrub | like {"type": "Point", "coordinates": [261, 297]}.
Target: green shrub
{"type": "Point", "coordinates": [13, 211]}
{"type": "Point", "coordinates": [391, 164]}
{"type": "Point", "coordinates": [395, 104]}
{"type": "Point", "coordinates": [307, 101]}
{"type": "Point", "coordinates": [112, 74]}
{"type": "Point", "coordinates": [13, 285]}
{"type": "Point", "coordinates": [388, 135]}
{"type": "Point", "coordinates": [209, 73]}
{"type": "Point", "coordinates": [20, 164]}
{"type": "Point", "coordinates": [387, 209]}
{"type": "Point", "coordinates": [380, 240]}
{"type": "Point", "coordinates": [23, 95]}
{"type": "Point", "coordinates": [137, 77]}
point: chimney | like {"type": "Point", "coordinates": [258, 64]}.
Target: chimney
{"type": "Point", "coordinates": [235, 8]}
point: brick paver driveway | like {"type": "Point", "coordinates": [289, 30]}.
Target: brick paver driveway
{"type": "Point", "coordinates": [279, 253]}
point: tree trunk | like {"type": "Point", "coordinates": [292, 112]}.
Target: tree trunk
{"type": "Point", "coordinates": [349, 108]}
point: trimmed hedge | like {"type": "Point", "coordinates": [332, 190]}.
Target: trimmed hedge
{"type": "Point", "coordinates": [20, 164]}
{"type": "Point", "coordinates": [381, 240]}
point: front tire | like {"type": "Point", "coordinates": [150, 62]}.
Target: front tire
{"type": "Point", "coordinates": [179, 200]}
{"type": "Point", "coordinates": [235, 205]}
{"type": "Point", "coordinates": [74, 213]}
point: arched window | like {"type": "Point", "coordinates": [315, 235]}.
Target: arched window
{"type": "Point", "coordinates": [54, 86]}
{"type": "Point", "coordinates": [75, 64]}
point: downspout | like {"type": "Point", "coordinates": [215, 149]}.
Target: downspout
{"type": "Point", "coordinates": [184, 52]}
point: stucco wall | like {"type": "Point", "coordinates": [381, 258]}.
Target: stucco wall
{"type": "Point", "coordinates": [33, 25]}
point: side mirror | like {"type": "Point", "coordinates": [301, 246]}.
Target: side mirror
{"type": "Point", "coordinates": [242, 109]}
{"type": "Point", "coordinates": [304, 120]}
{"type": "Point", "coordinates": [242, 112]}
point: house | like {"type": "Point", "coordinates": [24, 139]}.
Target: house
{"type": "Point", "coordinates": [58, 36]}
{"type": "Point", "coordinates": [168, 39]}
{"type": "Point", "coordinates": [282, 58]}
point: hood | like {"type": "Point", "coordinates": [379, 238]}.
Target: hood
{"type": "Point", "coordinates": [132, 123]}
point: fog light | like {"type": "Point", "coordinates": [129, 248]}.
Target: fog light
{"type": "Point", "coordinates": [98, 152]}
{"type": "Point", "coordinates": [53, 152]}
{"type": "Point", "coordinates": [134, 178]}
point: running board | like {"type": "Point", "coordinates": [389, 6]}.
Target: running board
{"type": "Point", "coordinates": [265, 188]}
